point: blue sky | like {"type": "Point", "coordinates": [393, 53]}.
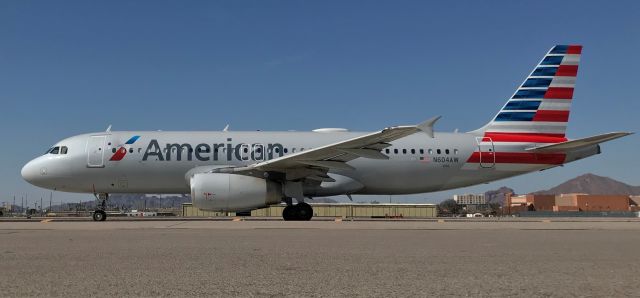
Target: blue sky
{"type": "Point", "coordinates": [70, 67]}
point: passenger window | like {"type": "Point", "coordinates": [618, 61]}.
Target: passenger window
{"type": "Point", "coordinates": [446, 151]}
{"type": "Point", "coordinates": [404, 151]}
{"type": "Point", "coordinates": [293, 150]}
{"type": "Point", "coordinates": [55, 150]}
{"type": "Point", "coordinates": [113, 150]}
{"type": "Point", "coordinates": [430, 151]}
{"type": "Point", "coordinates": [413, 151]}
{"type": "Point", "coordinates": [286, 150]}
{"type": "Point", "coordinates": [395, 151]}
{"type": "Point", "coordinates": [455, 151]}
{"type": "Point", "coordinates": [131, 150]}
{"type": "Point", "coordinates": [421, 151]}
{"type": "Point", "coordinates": [246, 150]}
{"type": "Point", "coordinates": [277, 150]}
{"type": "Point", "coordinates": [63, 150]}
{"type": "Point", "coordinates": [387, 151]}
{"type": "Point", "coordinates": [438, 151]}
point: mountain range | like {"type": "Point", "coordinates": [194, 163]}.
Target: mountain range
{"type": "Point", "coordinates": [593, 184]}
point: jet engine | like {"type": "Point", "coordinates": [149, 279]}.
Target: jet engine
{"type": "Point", "coordinates": [232, 192]}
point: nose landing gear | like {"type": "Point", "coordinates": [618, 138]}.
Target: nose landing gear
{"type": "Point", "coordinates": [101, 204]}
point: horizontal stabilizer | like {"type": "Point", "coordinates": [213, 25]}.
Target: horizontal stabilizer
{"type": "Point", "coordinates": [579, 143]}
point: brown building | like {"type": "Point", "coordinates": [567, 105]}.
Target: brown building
{"type": "Point", "coordinates": [571, 202]}
{"type": "Point", "coordinates": [532, 202]}
{"type": "Point", "coordinates": [586, 202]}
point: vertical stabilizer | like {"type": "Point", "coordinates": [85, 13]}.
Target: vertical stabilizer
{"type": "Point", "coordinates": [540, 106]}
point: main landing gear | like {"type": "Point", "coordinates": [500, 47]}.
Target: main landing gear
{"type": "Point", "coordinates": [101, 204]}
{"type": "Point", "coordinates": [301, 211]}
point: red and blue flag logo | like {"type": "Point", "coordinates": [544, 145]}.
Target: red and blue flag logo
{"type": "Point", "coordinates": [122, 149]}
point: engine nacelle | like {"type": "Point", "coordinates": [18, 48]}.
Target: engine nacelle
{"type": "Point", "coordinates": [232, 192]}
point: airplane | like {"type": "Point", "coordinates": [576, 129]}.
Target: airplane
{"type": "Point", "coordinates": [240, 171]}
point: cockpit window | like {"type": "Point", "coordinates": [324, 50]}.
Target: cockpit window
{"type": "Point", "coordinates": [57, 150]}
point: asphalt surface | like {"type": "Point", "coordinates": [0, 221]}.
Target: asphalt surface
{"type": "Point", "coordinates": [320, 258]}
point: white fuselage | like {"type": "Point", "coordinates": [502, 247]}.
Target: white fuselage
{"type": "Point", "coordinates": [162, 162]}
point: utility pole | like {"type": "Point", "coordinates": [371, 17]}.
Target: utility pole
{"type": "Point", "coordinates": [50, 200]}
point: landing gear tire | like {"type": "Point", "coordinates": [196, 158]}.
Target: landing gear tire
{"type": "Point", "coordinates": [99, 215]}
{"type": "Point", "coordinates": [299, 212]}
{"type": "Point", "coordinates": [289, 213]}
{"type": "Point", "coordinates": [305, 212]}
{"type": "Point", "coordinates": [101, 205]}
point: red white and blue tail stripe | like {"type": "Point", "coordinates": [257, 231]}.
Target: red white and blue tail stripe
{"type": "Point", "coordinates": [536, 114]}
{"type": "Point", "coordinates": [539, 109]}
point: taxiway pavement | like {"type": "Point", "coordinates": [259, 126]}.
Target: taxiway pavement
{"type": "Point", "coordinates": [539, 257]}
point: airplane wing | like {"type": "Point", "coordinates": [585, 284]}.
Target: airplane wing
{"type": "Point", "coordinates": [336, 155]}
{"type": "Point", "coordinates": [579, 143]}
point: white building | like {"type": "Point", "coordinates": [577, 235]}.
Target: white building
{"type": "Point", "coordinates": [470, 199]}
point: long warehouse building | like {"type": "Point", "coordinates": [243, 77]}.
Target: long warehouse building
{"type": "Point", "coordinates": [333, 210]}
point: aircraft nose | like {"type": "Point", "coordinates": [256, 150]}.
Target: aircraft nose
{"type": "Point", "coordinates": [30, 172]}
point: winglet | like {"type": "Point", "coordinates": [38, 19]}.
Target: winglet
{"type": "Point", "coordinates": [108, 128]}
{"type": "Point", "coordinates": [427, 126]}
{"type": "Point", "coordinates": [226, 128]}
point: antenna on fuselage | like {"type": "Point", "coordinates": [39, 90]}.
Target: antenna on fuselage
{"type": "Point", "coordinates": [108, 128]}
{"type": "Point", "coordinates": [226, 128]}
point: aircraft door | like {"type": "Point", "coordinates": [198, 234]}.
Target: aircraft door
{"type": "Point", "coordinates": [486, 151]}
{"type": "Point", "coordinates": [95, 151]}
